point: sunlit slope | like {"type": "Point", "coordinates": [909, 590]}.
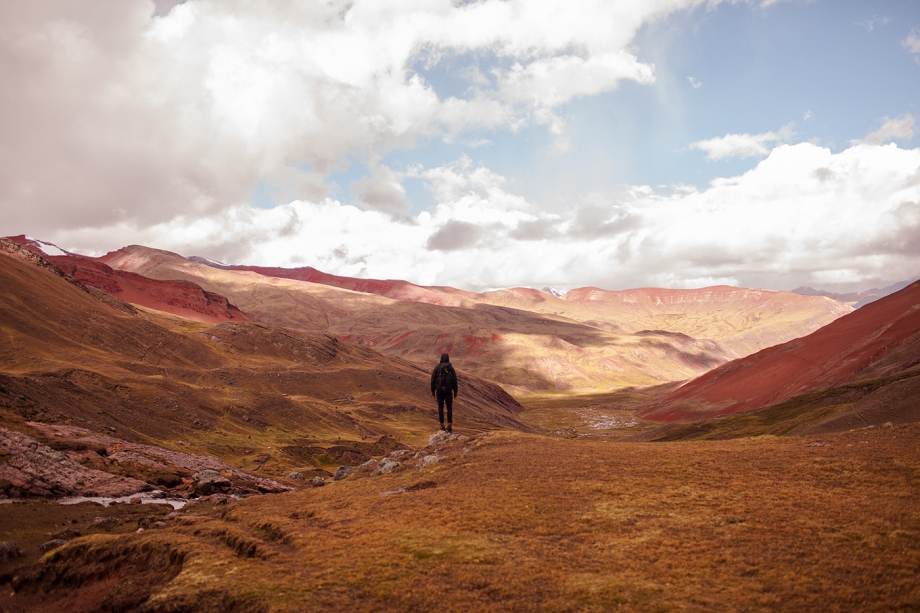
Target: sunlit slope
{"type": "Point", "coordinates": [528, 340]}
{"type": "Point", "coordinates": [880, 340]}
{"type": "Point", "coordinates": [527, 350]}
{"type": "Point", "coordinates": [72, 354]}
{"type": "Point", "coordinates": [741, 320]}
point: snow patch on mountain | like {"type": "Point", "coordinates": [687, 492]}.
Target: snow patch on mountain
{"type": "Point", "coordinates": [46, 248]}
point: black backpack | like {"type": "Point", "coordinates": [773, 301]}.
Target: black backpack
{"type": "Point", "coordinates": [444, 379]}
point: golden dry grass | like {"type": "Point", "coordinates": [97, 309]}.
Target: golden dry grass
{"type": "Point", "coordinates": [517, 522]}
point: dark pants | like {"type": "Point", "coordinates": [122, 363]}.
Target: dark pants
{"type": "Point", "coordinates": [445, 396]}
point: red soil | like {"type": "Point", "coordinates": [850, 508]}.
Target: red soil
{"type": "Point", "coordinates": [181, 298]}
{"type": "Point", "coordinates": [877, 340]}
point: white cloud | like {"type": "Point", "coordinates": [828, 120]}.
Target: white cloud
{"type": "Point", "coordinates": [382, 190]}
{"type": "Point", "coordinates": [802, 216]}
{"type": "Point", "coordinates": [808, 116]}
{"type": "Point", "coordinates": [911, 44]}
{"type": "Point", "coordinates": [742, 145]}
{"type": "Point", "coordinates": [872, 22]}
{"type": "Point", "coordinates": [694, 83]}
{"type": "Point", "coordinates": [112, 113]}
{"type": "Point", "coordinates": [897, 129]}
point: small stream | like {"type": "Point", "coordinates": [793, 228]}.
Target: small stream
{"type": "Point", "coordinates": [146, 498]}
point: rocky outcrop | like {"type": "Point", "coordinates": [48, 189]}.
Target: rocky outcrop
{"type": "Point", "coordinates": [33, 469]}
{"type": "Point", "coordinates": [209, 482]}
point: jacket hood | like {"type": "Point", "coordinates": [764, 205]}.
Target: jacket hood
{"type": "Point", "coordinates": [445, 358]}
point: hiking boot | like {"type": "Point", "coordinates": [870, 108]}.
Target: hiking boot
{"type": "Point", "coordinates": [442, 427]}
{"type": "Point", "coordinates": [450, 428]}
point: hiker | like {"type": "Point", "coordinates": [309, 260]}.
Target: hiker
{"type": "Point", "coordinates": [443, 382]}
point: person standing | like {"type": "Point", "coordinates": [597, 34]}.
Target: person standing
{"type": "Point", "coordinates": [443, 384]}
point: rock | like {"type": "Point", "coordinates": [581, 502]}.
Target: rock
{"type": "Point", "coordinates": [441, 437]}
{"type": "Point", "coordinates": [429, 459]}
{"type": "Point", "coordinates": [210, 481]}
{"type": "Point", "coordinates": [267, 486]}
{"type": "Point", "coordinates": [296, 475]}
{"type": "Point", "coordinates": [888, 424]}
{"type": "Point", "coordinates": [9, 551]}
{"type": "Point", "coordinates": [159, 524]}
{"type": "Point", "coordinates": [400, 455]}
{"type": "Point", "coordinates": [368, 465]}
{"type": "Point", "coordinates": [217, 499]}
{"type": "Point", "coordinates": [34, 469]}
{"type": "Point", "coordinates": [137, 500]}
{"type": "Point", "coordinates": [105, 521]}
{"type": "Point", "coordinates": [318, 482]}
{"type": "Point", "coordinates": [385, 466]}
{"type": "Point", "coordinates": [52, 544]}
{"type": "Point", "coordinates": [144, 522]}
{"type": "Point", "coordinates": [343, 471]}
{"type": "Point", "coordinates": [66, 533]}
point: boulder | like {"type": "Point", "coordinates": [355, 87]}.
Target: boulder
{"type": "Point", "coordinates": [343, 471]}
{"type": "Point", "coordinates": [429, 459]}
{"type": "Point", "coordinates": [295, 475]}
{"type": "Point", "coordinates": [9, 551]}
{"type": "Point", "coordinates": [386, 465]}
{"type": "Point", "coordinates": [52, 544]}
{"type": "Point", "coordinates": [66, 534]}
{"type": "Point", "coordinates": [400, 454]}
{"type": "Point", "coordinates": [443, 436]}
{"type": "Point", "coordinates": [210, 481]}
{"type": "Point", "coordinates": [318, 482]}
{"type": "Point", "coordinates": [267, 486]}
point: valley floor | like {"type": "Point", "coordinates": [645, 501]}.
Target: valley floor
{"type": "Point", "coordinates": [506, 521]}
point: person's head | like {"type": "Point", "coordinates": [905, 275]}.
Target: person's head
{"type": "Point", "coordinates": [445, 358]}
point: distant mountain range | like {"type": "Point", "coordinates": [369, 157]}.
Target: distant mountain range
{"type": "Point", "coordinates": [856, 299]}
{"type": "Point", "coordinates": [530, 341]}
{"type": "Point", "coordinates": [262, 339]}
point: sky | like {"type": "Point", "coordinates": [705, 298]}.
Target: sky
{"type": "Point", "coordinates": [478, 144]}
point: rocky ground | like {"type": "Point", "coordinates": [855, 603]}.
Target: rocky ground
{"type": "Point", "coordinates": [67, 461]}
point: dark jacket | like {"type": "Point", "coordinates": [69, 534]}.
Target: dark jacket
{"type": "Point", "coordinates": [436, 374]}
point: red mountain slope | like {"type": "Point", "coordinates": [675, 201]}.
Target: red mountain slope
{"type": "Point", "coordinates": [880, 339]}
{"type": "Point", "coordinates": [389, 288]}
{"type": "Point", "coordinates": [531, 340]}
{"type": "Point", "coordinates": [182, 298]}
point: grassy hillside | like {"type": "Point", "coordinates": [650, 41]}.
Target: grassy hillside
{"type": "Point", "coordinates": [515, 522]}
